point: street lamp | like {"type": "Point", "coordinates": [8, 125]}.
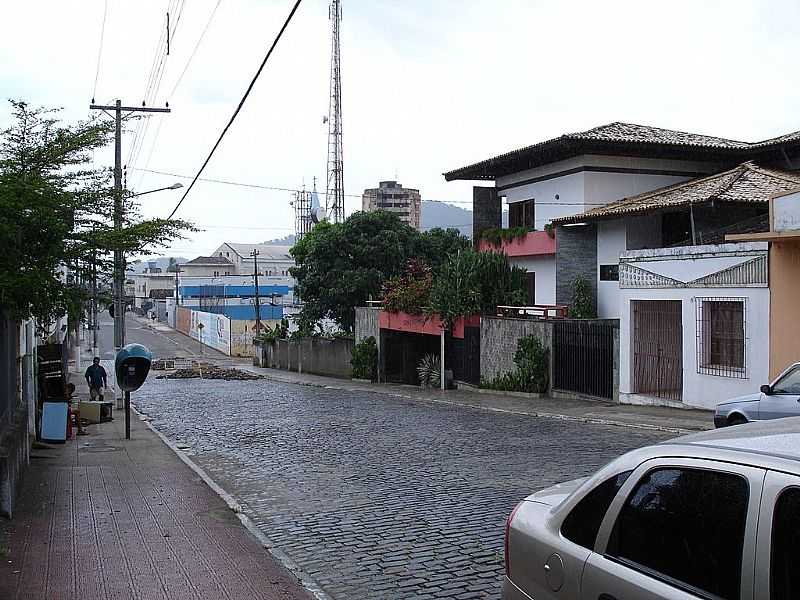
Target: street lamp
{"type": "Point", "coordinates": [119, 279]}
{"type": "Point", "coordinates": [174, 186]}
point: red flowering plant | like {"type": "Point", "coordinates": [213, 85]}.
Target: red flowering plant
{"type": "Point", "coordinates": [411, 291]}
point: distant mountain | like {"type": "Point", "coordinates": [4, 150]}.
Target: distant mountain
{"type": "Point", "coordinates": [446, 216]}
{"type": "Point", "coordinates": [284, 241]}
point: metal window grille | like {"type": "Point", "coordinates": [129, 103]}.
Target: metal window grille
{"type": "Point", "coordinates": [721, 337]}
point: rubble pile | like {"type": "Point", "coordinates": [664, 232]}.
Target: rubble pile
{"type": "Point", "coordinates": [210, 372]}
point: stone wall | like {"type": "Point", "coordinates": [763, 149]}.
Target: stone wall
{"type": "Point", "coordinates": [487, 211]}
{"type": "Point", "coordinates": [499, 337]}
{"type": "Point", "coordinates": [576, 256]}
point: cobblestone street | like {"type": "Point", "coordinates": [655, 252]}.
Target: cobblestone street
{"type": "Point", "coordinates": [377, 497]}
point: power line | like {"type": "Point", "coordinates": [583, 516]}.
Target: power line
{"type": "Point", "coordinates": [100, 49]}
{"type": "Point", "coordinates": [266, 187]}
{"type": "Point", "coordinates": [194, 50]}
{"type": "Point", "coordinates": [238, 108]}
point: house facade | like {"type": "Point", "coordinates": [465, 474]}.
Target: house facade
{"type": "Point", "coordinates": [580, 172]}
{"type": "Point", "coordinates": [208, 266]}
{"type": "Point", "coordinates": [692, 324]}
{"type": "Point", "coordinates": [272, 260]}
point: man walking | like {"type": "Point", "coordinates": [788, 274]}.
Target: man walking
{"type": "Point", "coordinates": [96, 378]}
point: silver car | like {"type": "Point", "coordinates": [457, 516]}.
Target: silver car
{"type": "Point", "coordinates": [779, 399]}
{"type": "Point", "coordinates": [710, 515]}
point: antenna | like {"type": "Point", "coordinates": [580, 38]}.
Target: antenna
{"type": "Point", "coordinates": [334, 193]}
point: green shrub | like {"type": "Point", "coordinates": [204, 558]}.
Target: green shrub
{"type": "Point", "coordinates": [365, 359]}
{"type": "Point", "coordinates": [271, 334]}
{"type": "Point", "coordinates": [429, 370]}
{"type": "Point", "coordinates": [495, 236]}
{"type": "Point", "coordinates": [532, 372]}
{"type": "Point", "coordinates": [582, 306]}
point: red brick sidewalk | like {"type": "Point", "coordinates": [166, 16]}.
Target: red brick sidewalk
{"type": "Point", "coordinates": [102, 517]}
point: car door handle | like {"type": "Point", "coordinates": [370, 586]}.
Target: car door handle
{"type": "Point", "coordinates": [606, 597]}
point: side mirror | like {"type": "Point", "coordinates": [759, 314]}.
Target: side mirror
{"type": "Point", "coordinates": [131, 366]}
{"type": "Point", "coordinates": [766, 390]}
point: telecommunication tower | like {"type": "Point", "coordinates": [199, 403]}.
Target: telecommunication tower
{"type": "Point", "coordinates": [334, 193]}
{"type": "Point", "coordinates": [302, 203]}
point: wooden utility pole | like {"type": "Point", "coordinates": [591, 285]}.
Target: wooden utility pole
{"type": "Point", "coordinates": [254, 254]}
{"type": "Point", "coordinates": [118, 286]}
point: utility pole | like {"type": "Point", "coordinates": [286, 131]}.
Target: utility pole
{"type": "Point", "coordinates": [94, 304]}
{"type": "Point", "coordinates": [255, 254]}
{"type": "Point", "coordinates": [118, 286]}
{"type": "Point", "coordinates": [177, 297]}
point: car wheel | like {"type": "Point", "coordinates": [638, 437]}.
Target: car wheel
{"type": "Point", "coordinates": [736, 419]}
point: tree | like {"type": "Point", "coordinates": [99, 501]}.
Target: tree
{"type": "Point", "coordinates": [340, 265]}
{"type": "Point", "coordinates": [55, 212]}
{"type": "Point", "coordinates": [172, 267]}
{"type": "Point", "coordinates": [471, 282]}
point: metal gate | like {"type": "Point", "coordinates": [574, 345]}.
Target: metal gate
{"type": "Point", "coordinates": [583, 357]}
{"type": "Point", "coordinates": [658, 348]}
{"type": "Point", "coordinates": [472, 355]}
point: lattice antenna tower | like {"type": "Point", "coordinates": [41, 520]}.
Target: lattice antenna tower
{"type": "Point", "coordinates": [302, 212]}
{"type": "Point", "coordinates": [334, 193]}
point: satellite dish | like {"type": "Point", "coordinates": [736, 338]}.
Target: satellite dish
{"type": "Point", "coordinates": [317, 212]}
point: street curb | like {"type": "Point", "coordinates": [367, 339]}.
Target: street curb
{"type": "Point", "coordinates": [305, 580]}
{"type": "Point", "coordinates": [544, 415]}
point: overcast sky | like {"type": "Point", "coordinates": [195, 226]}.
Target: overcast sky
{"type": "Point", "coordinates": [428, 86]}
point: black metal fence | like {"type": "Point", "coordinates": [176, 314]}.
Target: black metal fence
{"type": "Point", "coordinates": [583, 357]}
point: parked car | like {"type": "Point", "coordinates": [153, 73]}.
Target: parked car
{"type": "Point", "coordinates": [710, 515]}
{"type": "Point", "coordinates": [779, 399]}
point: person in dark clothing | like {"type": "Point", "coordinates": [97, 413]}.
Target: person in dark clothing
{"type": "Point", "coordinates": [96, 378]}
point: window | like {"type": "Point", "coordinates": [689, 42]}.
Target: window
{"type": "Point", "coordinates": [721, 337]}
{"type": "Point", "coordinates": [583, 521]}
{"type": "Point", "coordinates": [686, 527]}
{"type": "Point", "coordinates": [788, 384]}
{"type": "Point", "coordinates": [521, 214]}
{"type": "Point", "coordinates": [783, 572]}
{"type": "Point", "coordinates": [609, 272]}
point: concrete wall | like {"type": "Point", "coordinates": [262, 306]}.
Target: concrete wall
{"type": "Point", "coordinates": [319, 356]}
{"type": "Point", "coordinates": [576, 255]}
{"type": "Point", "coordinates": [784, 324]}
{"type": "Point", "coordinates": [545, 269]}
{"type": "Point", "coordinates": [578, 184]}
{"type": "Point", "coordinates": [499, 337]}
{"type": "Point", "coordinates": [611, 242]}
{"type": "Point", "coordinates": [18, 395]}
{"type": "Point", "coordinates": [367, 324]}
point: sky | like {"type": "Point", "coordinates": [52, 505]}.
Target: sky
{"type": "Point", "coordinates": [428, 86]}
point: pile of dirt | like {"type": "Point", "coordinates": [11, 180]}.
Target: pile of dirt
{"type": "Point", "coordinates": [210, 372]}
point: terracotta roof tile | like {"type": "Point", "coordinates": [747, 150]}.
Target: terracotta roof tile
{"type": "Point", "coordinates": [745, 183]}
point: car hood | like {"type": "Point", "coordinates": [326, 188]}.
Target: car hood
{"type": "Point", "coordinates": [740, 399]}
{"type": "Point", "coordinates": [556, 494]}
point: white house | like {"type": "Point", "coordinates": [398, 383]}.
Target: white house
{"type": "Point", "coordinates": [579, 172]}
{"type": "Point", "coordinates": [694, 324]}
{"type": "Point", "coordinates": [272, 260]}
{"type": "Point", "coordinates": [208, 266]}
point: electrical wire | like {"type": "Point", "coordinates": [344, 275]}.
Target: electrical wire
{"type": "Point", "coordinates": [194, 50]}
{"type": "Point", "coordinates": [100, 49]}
{"type": "Point", "coordinates": [238, 108]}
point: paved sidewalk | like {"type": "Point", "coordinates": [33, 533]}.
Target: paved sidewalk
{"type": "Point", "coordinates": [674, 420]}
{"type": "Point", "coordinates": [101, 517]}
